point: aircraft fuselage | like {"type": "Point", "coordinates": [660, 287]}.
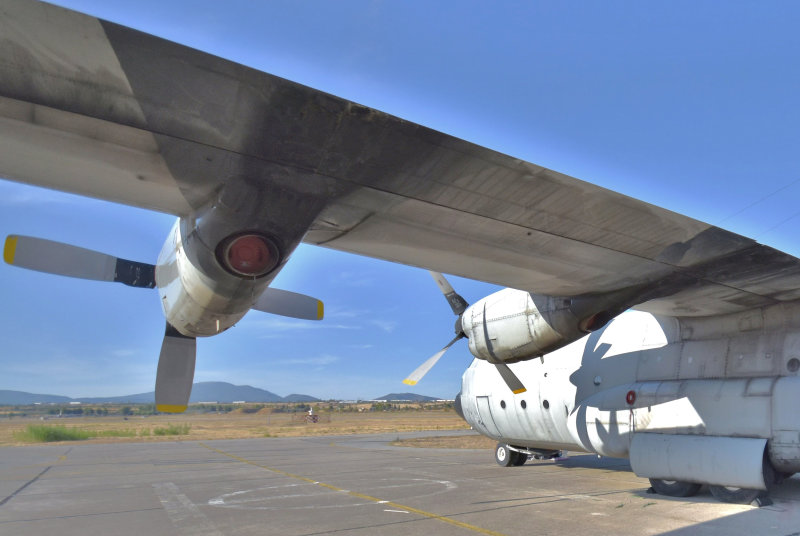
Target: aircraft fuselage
{"type": "Point", "coordinates": [717, 388]}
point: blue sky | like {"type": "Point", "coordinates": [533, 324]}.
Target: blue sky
{"type": "Point", "coordinates": [688, 105]}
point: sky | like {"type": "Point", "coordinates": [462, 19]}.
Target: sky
{"type": "Point", "coordinates": [689, 105]}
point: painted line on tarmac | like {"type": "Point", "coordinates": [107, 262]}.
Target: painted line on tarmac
{"type": "Point", "coordinates": [184, 514]}
{"type": "Point", "coordinates": [375, 500]}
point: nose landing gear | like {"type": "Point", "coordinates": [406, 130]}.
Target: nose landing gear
{"type": "Point", "coordinates": [508, 455]}
{"type": "Point", "coordinates": [505, 457]}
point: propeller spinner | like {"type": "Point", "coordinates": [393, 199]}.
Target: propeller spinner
{"type": "Point", "coordinates": [458, 304]}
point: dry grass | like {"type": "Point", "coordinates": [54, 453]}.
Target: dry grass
{"type": "Point", "coordinates": [241, 425]}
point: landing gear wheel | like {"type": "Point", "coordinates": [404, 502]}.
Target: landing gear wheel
{"type": "Point", "coordinates": [733, 495]}
{"type": "Point", "coordinates": [504, 456]}
{"type": "Point", "coordinates": [521, 458]}
{"type": "Point", "coordinates": [674, 488]}
{"type": "Point", "coordinates": [736, 495]}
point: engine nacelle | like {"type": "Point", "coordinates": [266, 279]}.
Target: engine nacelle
{"type": "Point", "coordinates": [217, 262]}
{"type": "Point", "coordinates": [513, 325]}
{"type": "Point", "coordinates": [196, 304]}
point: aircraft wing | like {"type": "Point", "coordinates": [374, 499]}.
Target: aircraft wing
{"type": "Point", "coordinates": [94, 108]}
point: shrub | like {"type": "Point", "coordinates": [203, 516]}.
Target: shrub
{"type": "Point", "coordinates": [41, 433]}
{"type": "Point", "coordinates": [172, 429]}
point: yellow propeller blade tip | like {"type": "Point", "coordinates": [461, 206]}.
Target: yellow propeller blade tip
{"type": "Point", "coordinates": [409, 382]}
{"type": "Point", "coordinates": [320, 310]}
{"type": "Point", "coordinates": [519, 391]}
{"type": "Point", "coordinates": [10, 249]}
{"type": "Point", "coordinates": [169, 408]}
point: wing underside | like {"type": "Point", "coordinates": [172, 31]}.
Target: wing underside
{"type": "Point", "coordinates": [94, 108]}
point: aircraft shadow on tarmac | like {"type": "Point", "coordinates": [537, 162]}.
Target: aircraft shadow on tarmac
{"type": "Point", "coordinates": [580, 461]}
{"type": "Point", "coordinates": [788, 490]}
{"type": "Point", "coordinates": [784, 512]}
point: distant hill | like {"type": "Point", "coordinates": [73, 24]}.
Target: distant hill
{"type": "Point", "coordinates": [20, 398]}
{"type": "Point", "coordinates": [221, 392]}
{"type": "Point", "coordinates": [394, 397]}
{"type": "Point", "coordinates": [300, 398]}
{"type": "Point", "coordinates": [226, 392]}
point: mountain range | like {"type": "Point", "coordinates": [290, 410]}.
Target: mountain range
{"type": "Point", "coordinates": [407, 397]}
{"type": "Point", "coordinates": [221, 392]}
{"type": "Point", "coordinates": [218, 392]}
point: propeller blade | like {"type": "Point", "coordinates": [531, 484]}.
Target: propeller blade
{"type": "Point", "coordinates": [175, 371]}
{"type": "Point", "coordinates": [457, 303]}
{"type": "Point", "coordinates": [510, 378]}
{"type": "Point", "coordinates": [64, 259]}
{"type": "Point", "coordinates": [285, 303]}
{"type": "Point", "coordinates": [423, 369]}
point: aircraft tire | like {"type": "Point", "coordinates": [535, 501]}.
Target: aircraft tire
{"type": "Point", "coordinates": [674, 488]}
{"type": "Point", "coordinates": [744, 495]}
{"type": "Point", "coordinates": [736, 495]}
{"type": "Point", "coordinates": [504, 456]}
{"type": "Point", "coordinates": [521, 458]}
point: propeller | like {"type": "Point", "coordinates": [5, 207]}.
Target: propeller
{"type": "Point", "coordinates": [286, 303]}
{"type": "Point", "coordinates": [175, 374]}
{"type": "Point", "coordinates": [64, 259]}
{"type": "Point", "coordinates": [176, 361]}
{"type": "Point", "coordinates": [458, 304]}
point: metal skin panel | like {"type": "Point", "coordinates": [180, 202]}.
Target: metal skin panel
{"type": "Point", "coordinates": [486, 419]}
{"type": "Point", "coordinates": [94, 108]}
{"type": "Point", "coordinates": [660, 363]}
{"type": "Point", "coordinates": [703, 359]}
{"type": "Point", "coordinates": [784, 448]}
{"type": "Point", "coordinates": [586, 385]}
{"type": "Point", "coordinates": [724, 461]}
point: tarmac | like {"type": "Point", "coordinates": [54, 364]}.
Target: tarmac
{"type": "Point", "coordinates": [348, 485]}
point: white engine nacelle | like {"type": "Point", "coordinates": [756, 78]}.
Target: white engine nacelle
{"type": "Point", "coordinates": [194, 303]}
{"type": "Point", "coordinates": [514, 325]}
{"type": "Point", "coordinates": [218, 261]}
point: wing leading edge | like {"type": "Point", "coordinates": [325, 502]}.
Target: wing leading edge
{"type": "Point", "coordinates": [94, 108]}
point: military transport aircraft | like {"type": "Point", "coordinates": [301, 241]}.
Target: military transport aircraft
{"type": "Point", "coordinates": [636, 332]}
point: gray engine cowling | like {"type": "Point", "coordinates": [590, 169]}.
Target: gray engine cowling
{"type": "Point", "coordinates": [514, 325]}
